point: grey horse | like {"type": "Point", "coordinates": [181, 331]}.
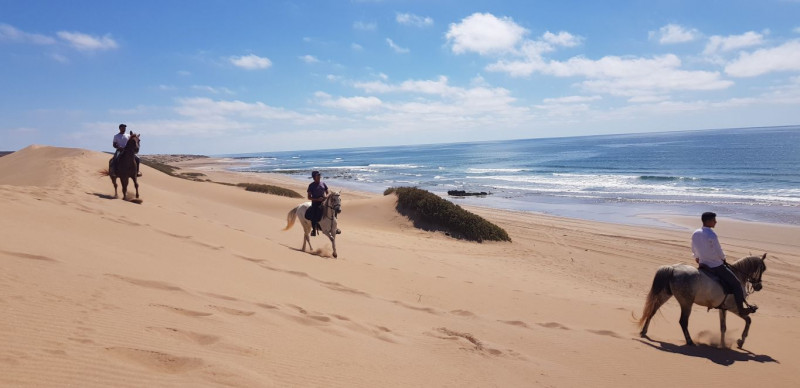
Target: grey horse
{"type": "Point", "coordinates": [689, 285]}
{"type": "Point", "coordinates": [331, 208]}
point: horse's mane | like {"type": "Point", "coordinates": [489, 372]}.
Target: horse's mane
{"type": "Point", "coordinates": [748, 265]}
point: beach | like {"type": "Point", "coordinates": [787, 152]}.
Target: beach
{"type": "Point", "coordinates": [199, 285]}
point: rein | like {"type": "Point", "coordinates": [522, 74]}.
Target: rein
{"type": "Point", "coordinates": [327, 205]}
{"type": "Point", "coordinates": [750, 277]}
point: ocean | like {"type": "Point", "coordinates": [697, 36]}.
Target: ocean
{"type": "Point", "coordinates": [748, 174]}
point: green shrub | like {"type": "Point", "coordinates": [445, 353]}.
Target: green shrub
{"type": "Point", "coordinates": [430, 212]}
{"type": "Point", "coordinates": [163, 167]}
{"type": "Point", "coordinates": [270, 189]}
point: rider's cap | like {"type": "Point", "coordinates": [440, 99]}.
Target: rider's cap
{"type": "Point", "coordinates": [122, 125]}
{"type": "Point", "coordinates": [314, 173]}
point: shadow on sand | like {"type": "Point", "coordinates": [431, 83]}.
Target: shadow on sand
{"type": "Point", "coordinates": [104, 196]}
{"type": "Point", "coordinates": [721, 356]}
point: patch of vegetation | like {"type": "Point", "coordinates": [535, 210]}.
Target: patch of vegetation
{"type": "Point", "coordinates": [163, 167]}
{"type": "Point", "coordinates": [430, 212]}
{"type": "Point", "coordinates": [270, 189]}
{"type": "Point", "coordinates": [4, 153]}
{"type": "Point", "coordinates": [197, 176]}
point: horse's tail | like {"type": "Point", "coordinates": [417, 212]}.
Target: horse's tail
{"type": "Point", "coordinates": [290, 218]}
{"type": "Point", "coordinates": [660, 285]}
{"type": "Point", "coordinates": [103, 172]}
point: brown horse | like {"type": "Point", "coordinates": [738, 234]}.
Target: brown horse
{"type": "Point", "coordinates": [126, 166]}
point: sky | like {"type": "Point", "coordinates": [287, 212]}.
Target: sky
{"type": "Point", "coordinates": [221, 77]}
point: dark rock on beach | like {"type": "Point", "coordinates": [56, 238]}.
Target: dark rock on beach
{"type": "Point", "coordinates": [462, 193]}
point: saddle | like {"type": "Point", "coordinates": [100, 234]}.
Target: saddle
{"type": "Point", "coordinates": [725, 287]}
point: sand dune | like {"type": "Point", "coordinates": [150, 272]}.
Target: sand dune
{"type": "Point", "coordinates": [199, 286]}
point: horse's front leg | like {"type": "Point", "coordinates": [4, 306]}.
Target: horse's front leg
{"type": "Point", "coordinates": [114, 182]}
{"type": "Point", "coordinates": [306, 236]}
{"type": "Point", "coordinates": [124, 182]}
{"type": "Point", "coordinates": [136, 185]}
{"type": "Point", "coordinates": [722, 327]}
{"type": "Point", "coordinates": [747, 320]}
{"type": "Point", "coordinates": [332, 236]}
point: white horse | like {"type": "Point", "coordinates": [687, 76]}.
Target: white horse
{"type": "Point", "coordinates": [331, 208]}
{"type": "Point", "coordinates": [690, 286]}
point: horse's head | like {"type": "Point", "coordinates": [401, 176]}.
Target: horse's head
{"type": "Point", "coordinates": [335, 202]}
{"type": "Point", "coordinates": [750, 269]}
{"type": "Point", "coordinates": [755, 279]}
{"type": "Point", "coordinates": [133, 142]}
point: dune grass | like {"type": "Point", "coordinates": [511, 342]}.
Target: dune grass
{"type": "Point", "coordinates": [163, 167]}
{"type": "Point", "coordinates": [430, 212]}
{"type": "Point", "coordinates": [197, 176]}
{"type": "Point", "coordinates": [270, 189]}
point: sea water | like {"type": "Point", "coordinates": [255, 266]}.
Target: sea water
{"type": "Point", "coordinates": [750, 174]}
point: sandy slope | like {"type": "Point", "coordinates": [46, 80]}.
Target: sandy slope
{"type": "Point", "coordinates": [199, 286]}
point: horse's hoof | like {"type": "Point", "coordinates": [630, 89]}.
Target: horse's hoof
{"type": "Point", "coordinates": [335, 256]}
{"type": "Point", "coordinates": [739, 343]}
{"type": "Point", "coordinates": [690, 344]}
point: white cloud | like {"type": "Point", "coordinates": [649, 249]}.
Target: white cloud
{"type": "Point", "coordinates": [439, 98]}
{"type": "Point", "coordinates": [571, 99]}
{"type": "Point", "coordinates": [251, 62]}
{"type": "Point", "coordinates": [484, 33]}
{"type": "Point", "coordinates": [785, 57]}
{"type": "Point", "coordinates": [365, 26]}
{"type": "Point", "coordinates": [85, 42]}
{"type": "Point", "coordinates": [356, 47]}
{"type": "Point", "coordinates": [674, 33]}
{"type": "Point", "coordinates": [733, 42]}
{"type": "Point", "coordinates": [10, 33]}
{"type": "Point", "coordinates": [309, 59]}
{"type": "Point", "coordinates": [414, 20]}
{"type": "Point", "coordinates": [211, 89]}
{"type": "Point", "coordinates": [396, 48]}
{"type": "Point", "coordinates": [202, 108]}
{"type": "Point", "coordinates": [622, 76]}
{"type": "Point", "coordinates": [796, 30]}
{"type": "Point", "coordinates": [352, 104]}
{"type": "Point", "coordinates": [563, 38]}
{"type": "Point", "coordinates": [59, 58]}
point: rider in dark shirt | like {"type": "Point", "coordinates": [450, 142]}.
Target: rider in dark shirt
{"type": "Point", "coordinates": [317, 193]}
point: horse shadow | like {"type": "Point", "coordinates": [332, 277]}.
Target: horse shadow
{"type": "Point", "coordinates": [103, 196]}
{"type": "Point", "coordinates": [721, 356]}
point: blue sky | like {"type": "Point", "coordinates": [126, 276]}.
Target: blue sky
{"type": "Point", "coordinates": [216, 77]}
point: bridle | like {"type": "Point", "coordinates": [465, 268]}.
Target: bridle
{"type": "Point", "coordinates": [337, 208]}
{"type": "Point", "coordinates": [753, 281]}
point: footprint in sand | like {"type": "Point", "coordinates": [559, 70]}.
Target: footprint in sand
{"type": "Point", "coordinates": [408, 306]}
{"type": "Point", "coordinates": [553, 325]}
{"type": "Point", "coordinates": [218, 296]}
{"type": "Point", "coordinates": [515, 323]}
{"type": "Point", "coordinates": [267, 306]}
{"type": "Point", "coordinates": [604, 332]}
{"type": "Point", "coordinates": [28, 256]}
{"type": "Point", "coordinates": [147, 283]}
{"type": "Point", "coordinates": [157, 361]}
{"type": "Point", "coordinates": [228, 310]}
{"type": "Point", "coordinates": [463, 313]}
{"type": "Point", "coordinates": [189, 313]}
{"type": "Point", "coordinates": [198, 338]}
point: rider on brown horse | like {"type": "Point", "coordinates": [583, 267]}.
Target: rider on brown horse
{"type": "Point", "coordinates": [120, 140]}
